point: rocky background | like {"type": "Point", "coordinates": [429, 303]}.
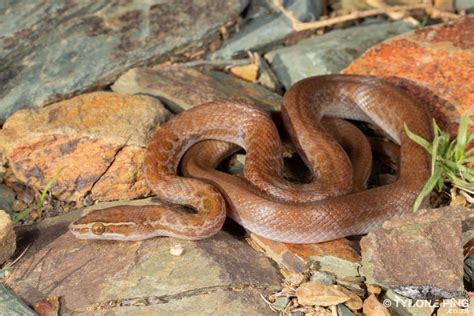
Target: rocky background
{"type": "Point", "coordinates": [84, 84]}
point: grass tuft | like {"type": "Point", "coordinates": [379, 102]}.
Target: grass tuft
{"type": "Point", "coordinates": [450, 160]}
{"type": "Point", "coordinates": [39, 205]}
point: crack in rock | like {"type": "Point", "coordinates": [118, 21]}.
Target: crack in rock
{"type": "Point", "coordinates": [119, 150]}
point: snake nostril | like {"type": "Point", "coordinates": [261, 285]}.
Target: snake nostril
{"type": "Point", "coordinates": [98, 228]}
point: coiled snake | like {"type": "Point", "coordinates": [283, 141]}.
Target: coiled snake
{"type": "Point", "coordinates": [263, 201]}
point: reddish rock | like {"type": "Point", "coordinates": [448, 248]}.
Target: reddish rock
{"type": "Point", "coordinates": [293, 257]}
{"type": "Point", "coordinates": [433, 63]}
{"type": "Point", "coordinates": [429, 243]}
{"type": "Point", "coordinates": [98, 138]}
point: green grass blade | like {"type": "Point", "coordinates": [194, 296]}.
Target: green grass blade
{"type": "Point", "coordinates": [434, 155]}
{"type": "Point", "coordinates": [428, 187]}
{"type": "Point", "coordinates": [48, 186]}
{"type": "Point", "coordinates": [461, 139]}
{"type": "Point", "coordinates": [468, 160]}
{"type": "Point", "coordinates": [22, 215]}
{"type": "Point", "coordinates": [470, 138]}
{"type": "Point", "coordinates": [39, 206]}
{"type": "Point", "coordinates": [419, 140]}
{"type": "Point", "coordinates": [469, 153]}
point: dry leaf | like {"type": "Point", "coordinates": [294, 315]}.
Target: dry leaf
{"type": "Point", "coordinates": [316, 293]}
{"type": "Point", "coordinates": [372, 307]}
{"type": "Point", "coordinates": [355, 302]}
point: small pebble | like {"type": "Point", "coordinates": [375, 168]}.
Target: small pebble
{"type": "Point", "coordinates": [246, 72]}
{"type": "Point", "coordinates": [323, 277]}
{"type": "Point", "coordinates": [343, 310]}
{"type": "Point", "coordinates": [295, 279]}
{"type": "Point", "coordinates": [281, 303]}
{"type": "Point", "coordinates": [18, 206]}
{"type": "Point", "coordinates": [373, 289]}
{"type": "Point", "coordinates": [176, 250]}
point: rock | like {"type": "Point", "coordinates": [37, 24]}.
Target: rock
{"type": "Point", "coordinates": [469, 272]}
{"type": "Point", "coordinates": [331, 52]}
{"type": "Point", "coordinates": [433, 64]}
{"type": "Point", "coordinates": [342, 310]}
{"type": "Point", "coordinates": [373, 289]}
{"type": "Point", "coordinates": [7, 237]}
{"type": "Point", "coordinates": [7, 198]}
{"type": "Point", "coordinates": [355, 284]}
{"type": "Point", "coordinates": [466, 5]}
{"type": "Point", "coordinates": [265, 32]}
{"type": "Point", "coordinates": [323, 277]}
{"type": "Point", "coordinates": [429, 243]}
{"type": "Point", "coordinates": [49, 306]}
{"type": "Point", "coordinates": [182, 88]}
{"type": "Point", "coordinates": [99, 138]}
{"type": "Point", "coordinates": [372, 307]}
{"type": "Point", "coordinates": [281, 303]}
{"type": "Point", "coordinates": [266, 76]}
{"type": "Point", "coordinates": [57, 50]}
{"type": "Point", "coordinates": [398, 305]}
{"type": "Point", "coordinates": [246, 72]}
{"type": "Point", "coordinates": [294, 257]}
{"type": "Point", "coordinates": [464, 306]}
{"type": "Point", "coordinates": [11, 305]}
{"type": "Point", "coordinates": [176, 250]}
{"type": "Point", "coordinates": [355, 302]}
{"type": "Point", "coordinates": [220, 275]}
{"type": "Point", "coordinates": [339, 267]}
{"type": "Point", "coordinates": [316, 293]}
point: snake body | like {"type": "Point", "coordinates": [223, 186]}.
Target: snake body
{"type": "Point", "coordinates": [331, 206]}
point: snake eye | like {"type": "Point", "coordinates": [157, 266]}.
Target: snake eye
{"type": "Point", "coordinates": [98, 228]}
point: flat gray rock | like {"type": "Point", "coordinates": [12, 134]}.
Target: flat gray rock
{"type": "Point", "coordinates": [50, 50]}
{"type": "Point", "coordinates": [330, 52]}
{"type": "Point", "coordinates": [182, 88]}
{"type": "Point", "coordinates": [11, 305]}
{"type": "Point", "coordinates": [221, 274]}
{"type": "Point", "coordinates": [267, 31]}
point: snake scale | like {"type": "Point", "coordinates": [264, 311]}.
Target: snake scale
{"type": "Point", "coordinates": [333, 205]}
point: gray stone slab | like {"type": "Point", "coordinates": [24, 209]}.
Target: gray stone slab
{"type": "Point", "coordinates": [50, 50]}
{"type": "Point", "coordinates": [330, 52]}
{"type": "Point", "coordinates": [219, 273]}
{"type": "Point", "coordinates": [11, 305]}
{"type": "Point", "coordinates": [181, 88]}
{"type": "Point", "coordinates": [260, 34]}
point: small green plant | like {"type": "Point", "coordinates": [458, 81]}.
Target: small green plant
{"type": "Point", "coordinates": [449, 160]}
{"type": "Point", "coordinates": [39, 205]}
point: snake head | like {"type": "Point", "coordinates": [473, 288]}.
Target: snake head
{"type": "Point", "coordinates": [106, 224]}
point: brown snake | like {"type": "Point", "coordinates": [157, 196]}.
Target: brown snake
{"type": "Point", "coordinates": [263, 201]}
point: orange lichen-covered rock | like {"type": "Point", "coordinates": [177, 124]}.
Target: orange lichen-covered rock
{"type": "Point", "coordinates": [91, 138]}
{"type": "Point", "coordinates": [433, 63]}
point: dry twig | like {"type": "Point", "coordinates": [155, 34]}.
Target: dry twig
{"type": "Point", "coordinates": [387, 10]}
